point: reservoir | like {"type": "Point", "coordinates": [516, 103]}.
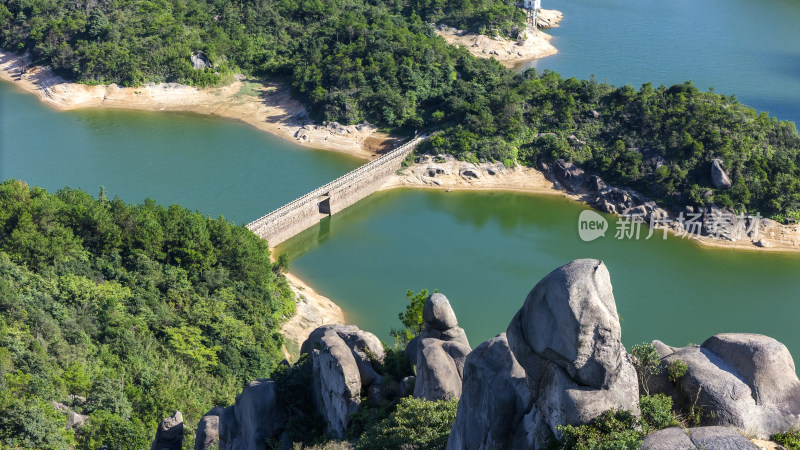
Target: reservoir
{"type": "Point", "coordinates": [484, 250]}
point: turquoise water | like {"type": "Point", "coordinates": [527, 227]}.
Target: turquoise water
{"type": "Point", "coordinates": [484, 250]}
{"type": "Point", "coordinates": [743, 48]}
{"type": "Point", "coordinates": [214, 165]}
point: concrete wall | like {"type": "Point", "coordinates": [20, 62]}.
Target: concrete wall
{"type": "Point", "coordinates": [296, 216]}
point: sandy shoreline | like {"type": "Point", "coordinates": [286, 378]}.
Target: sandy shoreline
{"type": "Point", "coordinates": [269, 107]}
{"type": "Point", "coordinates": [266, 106]}
{"type": "Point", "coordinates": [507, 52]}
{"type": "Point", "coordinates": [312, 310]}
{"type": "Point", "coordinates": [461, 175]}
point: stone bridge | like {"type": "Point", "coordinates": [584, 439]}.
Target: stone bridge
{"type": "Point", "coordinates": [294, 217]}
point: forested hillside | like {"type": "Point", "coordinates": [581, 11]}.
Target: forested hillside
{"type": "Point", "coordinates": [658, 140]}
{"type": "Point", "coordinates": [126, 313]}
{"type": "Point", "coordinates": [380, 61]}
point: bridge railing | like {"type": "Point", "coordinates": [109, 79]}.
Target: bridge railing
{"type": "Point", "coordinates": [403, 150]}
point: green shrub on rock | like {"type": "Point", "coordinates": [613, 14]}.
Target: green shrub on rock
{"type": "Point", "coordinates": [619, 429]}
{"type": "Point", "coordinates": [790, 439]}
{"type": "Point", "coordinates": [611, 430]}
{"type": "Point", "coordinates": [416, 424]}
{"type": "Point", "coordinates": [656, 412]}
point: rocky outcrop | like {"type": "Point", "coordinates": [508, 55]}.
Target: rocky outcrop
{"type": "Point", "coordinates": [705, 438]}
{"type": "Point", "coordinates": [207, 435]}
{"type": "Point", "coordinates": [169, 435]}
{"type": "Point", "coordinates": [566, 341]}
{"type": "Point", "coordinates": [439, 352]}
{"type": "Point", "coordinates": [548, 18]}
{"type": "Point", "coordinates": [718, 176]}
{"type": "Point", "coordinates": [746, 381]}
{"type": "Point", "coordinates": [200, 61]}
{"type": "Point", "coordinates": [569, 175]}
{"type": "Point", "coordinates": [74, 420]}
{"type": "Point", "coordinates": [254, 419]}
{"type": "Point", "coordinates": [495, 398]}
{"type": "Point", "coordinates": [341, 357]}
{"type": "Point", "coordinates": [440, 369]}
{"type": "Point", "coordinates": [567, 338]}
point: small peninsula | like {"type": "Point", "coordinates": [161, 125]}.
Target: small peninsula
{"type": "Point", "coordinates": [532, 43]}
{"type": "Point", "coordinates": [267, 106]}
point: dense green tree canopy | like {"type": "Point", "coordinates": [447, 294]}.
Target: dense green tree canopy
{"type": "Point", "coordinates": [140, 309]}
{"type": "Point", "coordinates": [380, 60]}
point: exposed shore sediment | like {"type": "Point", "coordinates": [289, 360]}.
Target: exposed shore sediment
{"type": "Point", "coordinates": [508, 52]}
{"type": "Point", "coordinates": [312, 310]}
{"type": "Point", "coordinates": [452, 174]}
{"type": "Point", "coordinates": [266, 106]}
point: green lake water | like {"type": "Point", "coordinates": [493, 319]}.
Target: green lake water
{"type": "Point", "coordinates": [213, 165]}
{"type": "Point", "coordinates": [485, 251]}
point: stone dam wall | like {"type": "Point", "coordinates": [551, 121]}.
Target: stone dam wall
{"type": "Point", "coordinates": [294, 217]}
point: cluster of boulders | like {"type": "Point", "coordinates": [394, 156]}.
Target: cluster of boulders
{"type": "Point", "coordinates": [712, 220]}
{"type": "Point", "coordinates": [344, 363]}
{"type": "Point", "coordinates": [560, 362]}
{"type": "Point", "coordinates": [308, 131]}
{"type": "Point", "coordinates": [742, 380]}
{"type": "Point", "coordinates": [433, 168]}
{"type": "Point", "coordinates": [439, 352]}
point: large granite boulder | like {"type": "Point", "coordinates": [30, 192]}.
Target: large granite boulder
{"type": "Point", "coordinates": [169, 435]}
{"type": "Point", "coordinates": [705, 438]}
{"type": "Point", "coordinates": [495, 396]}
{"type": "Point", "coordinates": [570, 319]}
{"type": "Point", "coordinates": [342, 358]}
{"type": "Point", "coordinates": [207, 434]}
{"type": "Point", "coordinates": [568, 175]}
{"type": "Point", "coordinates": [255, 417]}
{"type": "Point", "coordinates": [438, 314]}
{"type": "Point", "coordinates": [439, 352]}
{"type": "Point", "coordinates": [364, 346]}
{"type": "Point", "coordinates": [718, 175]}
{"type": "Point", "coordinates": [566, 341]}
{"type": "Point", "coordinates": [440, 369]}
{"type": "Point", "coordinates": [74, 420]}
{"type": "Point", "coordinates": [747, 381]}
